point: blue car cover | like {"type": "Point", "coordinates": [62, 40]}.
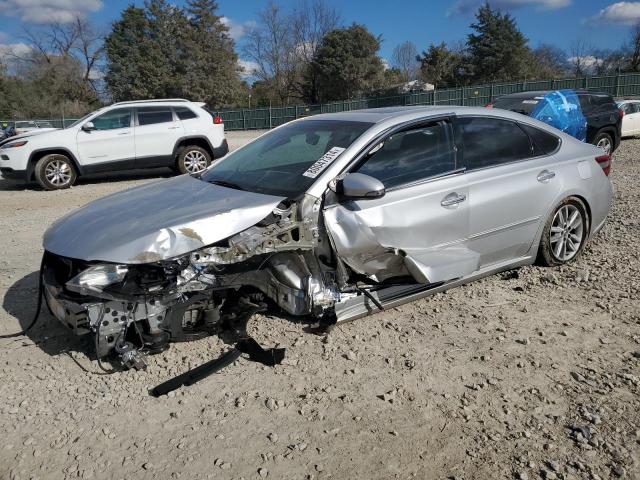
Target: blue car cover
{"type": "Point", "coordinates": [561, 109]}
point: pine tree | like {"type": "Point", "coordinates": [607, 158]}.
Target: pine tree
{"type": "Point", "coordinates": [212, 73]}
{"type": "Point", "coordinates": [497, 49]}
{"type": "Point", "coordinates": [347, 64]}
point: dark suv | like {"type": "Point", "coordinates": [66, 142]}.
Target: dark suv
{"type": "Point", "coordinates": [596, 120]}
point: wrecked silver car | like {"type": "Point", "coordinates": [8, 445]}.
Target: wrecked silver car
{"type": "Point", "coordinates": [334, 216]}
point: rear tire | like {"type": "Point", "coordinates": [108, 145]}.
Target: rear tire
{"type": "Point", "coordinates": [55, 172]}
{"type": "Point", "coordinates": [193, 159]}
{"type": "Point", "coordinates": [604, 141]}
{"type": "Point", "coordinates": [564, 234]}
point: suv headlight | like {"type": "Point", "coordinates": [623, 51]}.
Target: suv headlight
{"type": "Point", "coordinates": [19, 143]}
{"type": "Point", "coordinates": [94, 279]}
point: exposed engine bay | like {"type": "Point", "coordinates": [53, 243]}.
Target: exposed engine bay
{"type": "Point", "coordinates": [285, 260]}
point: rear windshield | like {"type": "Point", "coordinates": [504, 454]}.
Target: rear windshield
{"type": "Point", "coordinates": [524, 105]}
{"type": "Point", "coordinates": [286, 161]}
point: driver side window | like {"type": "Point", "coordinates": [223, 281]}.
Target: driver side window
{"type": "Point", "coordinates": [413, 155]}
{"type": "Point", "coordinates": [119, 118]}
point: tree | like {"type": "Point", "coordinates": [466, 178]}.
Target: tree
{"type": "Point", "coordinates": [212, 73]}
{"type": "Point", "coordinates": [404, 58]}
{"type": "Point", "coordinates": [347, 64]}
{"type": "Point", "coordinates": [581, 58]}
{"type": "Point", "coordinates": [310, 22]}
{"type": "Point", "coordinates": [442, 66]}
{"type": "Point", "coordinates": [164, 51]}
{"type": "Point", "coordinates": [497, 49]}
{"type": "Point", "coordinates": [548, 61]}
{"type": "Point", "coordinates": [271, 46]}
{"type": "Point", "coordinates": [633, 50]}
{"type": "Point", "coordinates": [130, 57]}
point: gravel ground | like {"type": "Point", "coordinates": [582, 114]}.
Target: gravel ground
{"type": "Point", "coordinates": [531, 374]}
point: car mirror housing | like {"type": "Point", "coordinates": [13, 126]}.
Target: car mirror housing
{"type": "Point", "coordinates": [88, 127]}
{"type": "Point", "coordinates": [360, 186]}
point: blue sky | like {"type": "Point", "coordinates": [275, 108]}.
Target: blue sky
{"type": "Point", "coordinates": [602, 23]}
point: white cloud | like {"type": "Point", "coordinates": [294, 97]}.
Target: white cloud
{"type": "Point", "coordinates": [49, 11]}
{"type": "Point", "coordinates": [248, 69]}
{"type": "Point", "coordinates": [237, 30]}
{"type": "Point", "coordinates": [385, 63]}
{"type": "Point", "coordinates": [587, 62]}
{"type": "Point", "coordinates": [9, 51]}
{"type": "Point", "coordinates": [620, 12]}
{"type": "Point", "coordinates": [465, 7]}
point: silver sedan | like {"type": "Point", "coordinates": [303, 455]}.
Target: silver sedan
{"type": "Point", "coordinates": [334, 216]}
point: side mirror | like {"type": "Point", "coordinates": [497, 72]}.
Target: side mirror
{"type": "Point", "coordinates": [89, 126]}
{"type": "Point", "coordinates": [359, 185]}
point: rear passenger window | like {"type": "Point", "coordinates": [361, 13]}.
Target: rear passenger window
{"type": "Point", "coordinates": [491, 141]}
{"type": "Point", "coordinates": [412, 155]}
{"type": "Point", "coordinates": [543, 142]}
{"type": "Point", "coordinates": [185, 113]}
{"type": "Point", "coordinates": [151, 115]}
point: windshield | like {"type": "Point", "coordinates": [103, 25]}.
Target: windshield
{"type": "Point", "coordinates": [80, 120]}
{"type": "Point", "coordinates": [286, 161]}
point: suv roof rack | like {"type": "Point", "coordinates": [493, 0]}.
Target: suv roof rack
{"type": "Point", "coordinates": [153, 101]}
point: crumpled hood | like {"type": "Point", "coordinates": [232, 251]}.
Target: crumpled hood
{"type": "Point", "coordinates": [156, 221]}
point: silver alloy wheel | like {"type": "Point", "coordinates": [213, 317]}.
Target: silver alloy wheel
{"type": "Point", "coordinates": [195, 161]}
{"type": "Point", "coordinates": [58, 173]}
{"type": "Point", "coordinates": [605, 144]}
{"type": "Point", "coordinates": [567, 233]}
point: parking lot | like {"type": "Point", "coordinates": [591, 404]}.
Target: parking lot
{"type": "Point", "coordinates": [534, 373]}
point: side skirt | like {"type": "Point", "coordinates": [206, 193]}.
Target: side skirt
{"type": "Point", "coordinates": [361, 306]}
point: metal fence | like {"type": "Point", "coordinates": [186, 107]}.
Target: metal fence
{"type": "Point", "coordinates": [623, 85]}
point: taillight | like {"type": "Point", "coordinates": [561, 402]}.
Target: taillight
{"type": "Point", "coordinates": [489, 105]}
{"type": "Point", "coordinates": [217, 120]}
{"type": "Point", "coordinates": [620, 113]}
{"type": "Point", "coordinates": [605, 163]}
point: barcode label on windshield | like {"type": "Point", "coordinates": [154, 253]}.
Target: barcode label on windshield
{"type": "Point", "coordinates": [314, 170]}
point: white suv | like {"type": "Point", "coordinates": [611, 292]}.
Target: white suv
{"type": "Point", "coordinates": [172, 133]}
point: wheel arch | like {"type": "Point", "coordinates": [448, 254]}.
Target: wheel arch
{"type": "Point", "coordinates": [197, 140]}
{"type": "Point", "coordinates": [38, 154]}
{"type": "Point", "coordinates": [612, 131]}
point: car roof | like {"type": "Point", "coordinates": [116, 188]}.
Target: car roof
{"type": "Point", "coordinates": [540, 93]}
{"type": "Point", "coordinates": [400, 114]}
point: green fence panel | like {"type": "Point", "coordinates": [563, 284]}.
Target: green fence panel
{"type": "Point", "coordinates": [623, 85]}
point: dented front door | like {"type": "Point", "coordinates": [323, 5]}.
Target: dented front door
{"type": "Point", "coordinates": [419, 231]}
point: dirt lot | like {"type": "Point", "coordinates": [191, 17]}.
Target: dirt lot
{"type": "Point", "coordinates": [531, 374]}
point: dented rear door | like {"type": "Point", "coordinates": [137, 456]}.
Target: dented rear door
{"type": "Point", "coordinates": [420, 227]}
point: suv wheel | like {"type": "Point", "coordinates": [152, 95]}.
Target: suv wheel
{"type": "Point", "coordinates": [55, 171]}
{"type": "Point", "coordinates": [565, 233]}
{"type": "Point", "coordinates": [604, 141]}
{"type": "Point", "coordinates": [193, 159]}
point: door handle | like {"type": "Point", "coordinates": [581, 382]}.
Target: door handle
{"type": "Point", "coordinates": [174, 128]}
{"type": "Point", "coordinates": [545, 175]}
{"type": "Point", "coordinates": [124, 133]}
{"type": "Point", "coordinates": [453, 199]}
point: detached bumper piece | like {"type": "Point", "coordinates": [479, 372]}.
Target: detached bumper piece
{"type": "Point", "coordinates": [270, 357]}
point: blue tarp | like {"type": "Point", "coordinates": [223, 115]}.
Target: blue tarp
{"type": "Point", "coordinates": [561, 109]}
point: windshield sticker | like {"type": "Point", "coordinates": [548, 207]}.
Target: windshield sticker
{"type": "Point", "coordinates": [532, 102]}
{"type": "Point", "coordinates": [314, 170]}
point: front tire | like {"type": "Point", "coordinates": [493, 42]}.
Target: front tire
{"type": "Point", "coordinates": [193, 160]}
{"type": "Point", "coordinates": [564, 234]}
{"type": "Point", "coordinates": [55, 172]}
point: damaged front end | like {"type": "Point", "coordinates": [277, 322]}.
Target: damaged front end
{"type": "Point", "coordinates": [132, 308]}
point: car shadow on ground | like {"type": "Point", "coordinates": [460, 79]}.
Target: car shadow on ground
{"type": "Point", "coordinates": [96, 178]}
{"type": "Point", "coordinates": [20, 302]}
